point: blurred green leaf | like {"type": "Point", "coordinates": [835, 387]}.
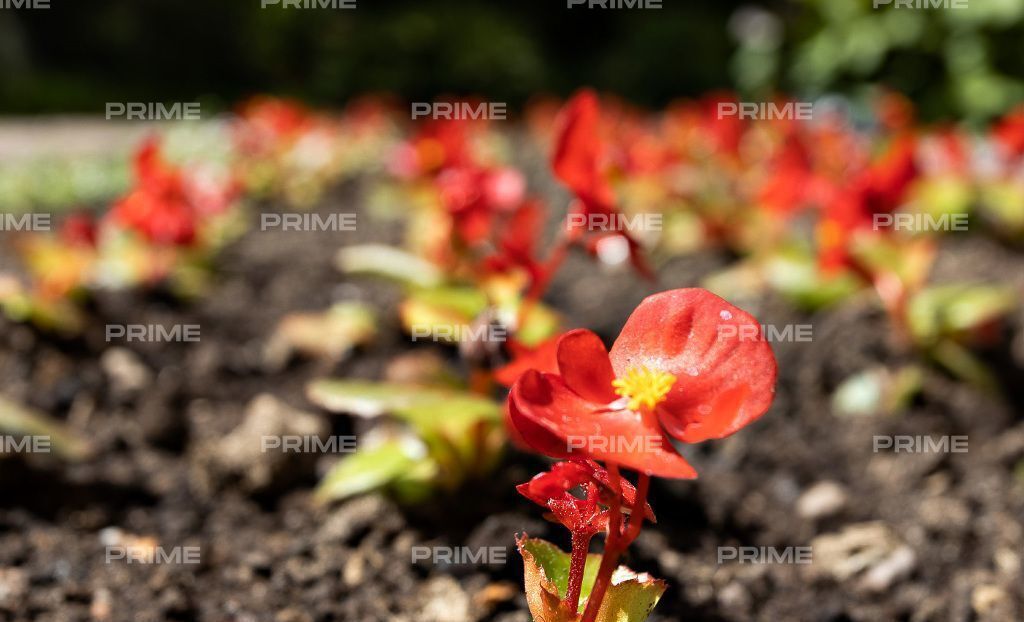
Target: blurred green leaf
{"type": "Point", "coordinates": [18, 420]}
{"type": "Point", "coordinates": [463, 432]}
{"type": "Point", "coordinates": [877, 391]}
{"type": "Point", "coordinates": [796, 275]}
{"type": "Point", "coordinates": [392, 463]}
{"type": "Point", "coordinates": [952, 309]}
{"type": "Point", "coordinates": [964, 365]}
{"type": "Point", "coordinates": [388, 262]}
{"type": "Point", "coordinates": [447, 311]}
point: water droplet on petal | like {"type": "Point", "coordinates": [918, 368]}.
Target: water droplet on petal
{"type": "Point", "coordinates": [725, 315]}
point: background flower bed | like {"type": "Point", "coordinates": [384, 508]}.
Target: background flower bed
{"type": "Point", "coordinates": [154, 471]}
{"type": "Point", "coordinates": [168, 432]}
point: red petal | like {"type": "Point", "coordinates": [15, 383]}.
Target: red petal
{"type": "Point", "coordinates": [541, 357]}
{"type": "Point", "coordinates": [584, 365]}
{"type": "Point", "coordinates": [578, 150]}
{"type": "Point", "coordinates": [535, 436]}
{"type": "Point", "coordinates": [549, 404]}
{"type": "Point", "coordinates": [725, 370]}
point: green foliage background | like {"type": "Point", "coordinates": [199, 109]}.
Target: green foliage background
{"type": "Point", "coordinates": [79, 54]}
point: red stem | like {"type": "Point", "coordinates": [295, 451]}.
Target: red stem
{"type": "Point", "coordinates": [636, 515]}
{"type": "Point", "coordinates": [617, 541]}
{"type": "Point", "coordinates": [577, 563]}
{"type": "Point", "coordinates": [611, 549]}
{"type": "Point", "coordinates": [551, 266]}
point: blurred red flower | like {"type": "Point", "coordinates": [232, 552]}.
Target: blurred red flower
{"type": "Point", "coordinates": [158, 207]}
{"type": "Point", "coordinates": [168, 204]}
{"type": "Point", "coordinates": [579, 163]}
{"type": "Point", "coordinates": [879, 189]}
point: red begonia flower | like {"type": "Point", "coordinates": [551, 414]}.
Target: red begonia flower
{"type": "Point", "coordinates": [791, 180]}
{"type": "Point", "coordinates": [879, 189]}
{"type": "Point", "coordinates": [474, 196]}
{"type": "Point", "coordinates": [158, 207]}
{"type": "Point", "coordinates": [587, 515]}
{"type": "Point", "coordinates": [78, 230]}
{"type": "Point", "coordinates": [578, 162]}
{"type": "Point", "coordinates": [516, 241]}
{"type": "Point", "coordinates": [1009, 132]}
{"type": "Point", "coordinates": [275, 118]}
{"type": "Point", "coordinates": [687, 363]}
{"type": "Point", "coordinates": [578, 157]}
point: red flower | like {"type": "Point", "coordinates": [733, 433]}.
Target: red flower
{"type": "Point", "coordinates": [790, 183]}
{"type": "Point", "coordinates": [474, 196]}
{"type": "Point", "coordinates": [687, 363]}
{"type": "Point", "coordinates": [78, 230]}
{"type": "Point", "coordinates": [541, 357]}
{"type": "Point", "coordinates": [579, 153]}
{"type": "Point", "coordinates": [269, 121]}
{"type": "Point", "coordinates": [582, 516]}
{"type": "Point", "coordinates": [158, 207]}
{"type": "Point", "coordinates": [516, 241]}
{"type": "Point", "coordinates": [879, 189]}
{"type": "Point", "coordinates": [437, 145]}
{"type": "Point", "coordinates": [1009, 132]}
{"type": "Point", "coordinates": [578, 162]}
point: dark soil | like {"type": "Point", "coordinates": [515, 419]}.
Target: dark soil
{"type": "Point", "coordinates": [941, 534]}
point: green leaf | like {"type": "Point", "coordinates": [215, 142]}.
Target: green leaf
{"type": "Point", "coordinates": [555, 564]}
{"type": "Point", "coordinates": [950, 309]}
{"type": "Point", "coordinates": [795, 274]}
{"type": "Point", "coordinates": [959, 361]}
{"type": "Point", "coordinates": [389, 262]}
{"type": "Point", "coordinates": [630, 598]}
{"type": "Point", "coordinates": [1003, 202]}
{"type": "Point", "coordinates": [447, 311]}
{"type": "Point", "coordinates": [877, 391]}
{"type": "Point", "coordinates": [19, 420]}
{"type": "Point", "coordinates": [394, 462]}
{"type": "Point", "coordinates": [941, 196]}
{"type": "Point", "coordinates": [541, 322]}
{"type": "Point", "coordinates": [463, 432]}
{"type": "Point", "coordinates": [412, 403]}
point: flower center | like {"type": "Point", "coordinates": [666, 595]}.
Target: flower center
{"type": "Point", "coordinates": [644, 387]}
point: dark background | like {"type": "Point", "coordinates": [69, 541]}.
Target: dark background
{"type": "Point", "coordinates": [79, 54]}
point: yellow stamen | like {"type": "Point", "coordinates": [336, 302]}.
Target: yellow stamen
{"type": "Point", "coordinates": [644, 387]}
